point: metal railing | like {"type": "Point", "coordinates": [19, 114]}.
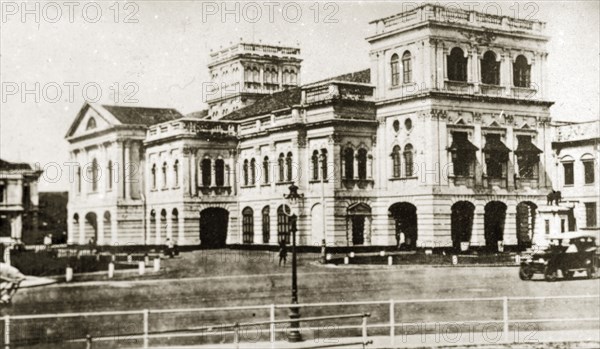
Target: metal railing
{"type": "Point", "coordinates": [233, 329]}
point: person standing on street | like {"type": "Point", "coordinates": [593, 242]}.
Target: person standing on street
{"type": "Point", "coordinates": [282, 253]}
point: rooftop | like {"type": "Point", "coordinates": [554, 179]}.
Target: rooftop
{"type": "Point", "coordinates": [445, 14]}
{"type": "Point", "coordinates": [142, 116]}
{"type": "Point", "coordinates": [255, 49]}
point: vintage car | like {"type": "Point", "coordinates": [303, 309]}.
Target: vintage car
{"type": "Point", "coordinates": [567, 252]}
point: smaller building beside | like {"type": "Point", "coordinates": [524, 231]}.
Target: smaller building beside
{"type": "Point", "coordinates": [18, 202]}
{"type": "Point", "coordinates": [577, 151]}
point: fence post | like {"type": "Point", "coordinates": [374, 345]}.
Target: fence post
{"type": "Point", "coordinates": [392, 323]}
{"type": "Point", "coordinates": [146, 313]}
{"type": "Point", "coordinates": [505, 317]}
{"type": "Point", "coordinates": [88, 341]}
{"type": "Point", "coordinates": [6, 331]}
{"type": "Point", "coordinates": [272, 326]}
{"type": "Point", "coordinates": [236, 335]}
{"type": "Point", "coordinates": [364, 329]}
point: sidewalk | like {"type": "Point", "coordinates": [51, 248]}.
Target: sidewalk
{"type": "Point", "coordinates": [580, 339]}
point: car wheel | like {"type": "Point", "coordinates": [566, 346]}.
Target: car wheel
{"type": "Point", "coordinates": [550, 275]}
{"type": "Point", "coordinates": [525, 273]}
{"type": "Point", "coordinates": [568, 274]}
{"type": "Point", "coordinates": [591, 272]}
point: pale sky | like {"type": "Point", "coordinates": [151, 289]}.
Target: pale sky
{"type": "Point", "coordinates": [163, 57]}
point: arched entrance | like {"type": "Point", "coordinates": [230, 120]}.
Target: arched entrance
{"type": "Point", "coordinates": [91, 228]}
{"type": "Point", "coordinates": [151, 226]}
{"type": "Point", "coordinates": [358, 222]}
{"type": "Point", "coordinates": [213, 227]}
{"type": "Point", "coordinates": [495, 215]}
{"type": "Point", "coordinates": [526, 215]}
{"type": "Point", "coordinates": [406, 229]}
{"type": "Point", "coordinates": [461, 222]}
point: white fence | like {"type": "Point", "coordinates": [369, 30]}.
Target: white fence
{"type": "Point", "coordinates": [391, 318]}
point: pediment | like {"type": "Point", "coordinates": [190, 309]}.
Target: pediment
{"type": "Point", "coordinates": [91, 119]}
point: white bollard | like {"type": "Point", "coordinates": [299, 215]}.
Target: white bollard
{"type": "Point", "coordinates": [454, 260]}
{"type": "Point", "coordinates": [129, 258]}
{"type": "Point", "coordinates": [390, 261]}
{"type": "Point", "coordinates": [351, 254]}
{"type": "Point", "coordinates": [517, 259]}
{"type": "Point", "coordinates": [328, 256]}
{"type": "Point", "coordinates": [141, 268]}
{"type": "Point", "coordinates": [111, 270]}
{"type": "Point", "coordinates": [346, 260]}
{"type": "Point", "coordinates": [382, 253]}
{"type": "Point", "coordinates": [428, 252]}
{"type": "Point", "coordinates": [146, 260]}
{"type": "Point", "coordinates": [69, 274]}
{"type": "Point", "coordinates": [156, 264]}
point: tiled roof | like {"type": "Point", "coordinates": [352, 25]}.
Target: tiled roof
{"type": "Point", "coordinates": [202, 114]}
{"type": "Point", "coordinates": [289, 97]}
{"type": "Point", "coordinates": [142, 116]}
{"type": "Point", "coordinates": [362, 76]}
{"type": "Point", "coordinates": [265, 105]}
{"type": "Point", "coordinates": [11, 166]}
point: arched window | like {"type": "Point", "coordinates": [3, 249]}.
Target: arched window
{"type": "Point", "coordinates": [521, 72]}
{"type": "Point", "coordinates": [266, 225]}
{"type": "Point", "coordinates": [395, 70]}
{"type": "Point", "coordinates": [95, 174]}
{"type": "Point", "coordinates": [164, 174]}
{"type": "Point", "coordinates": [406, 68]}
{"type": "Point", "coordinates": [252, 172]}
{"type": "Point", "coordinates": [248, 225]}
{"type": "Point", "coordinates": [362, 163]}
{"type": "Point", "coordinates": [396, 161]}
{"type": "Point", "coordinates": [176, 172]}
{"type": "Point", "coordinates": [457, 65]}
{"type": "Point", "coordinates": [349, 163]}
{"type": "Point", "coordinates": [153, 171]}
{"type": "Point", "coordinates": [109, 175]}
{"type": "Point", "coordinates": [288, 166]}
{"type": "Point", "coordinates": [205, 168]}
{"type": "Point", "coordinates": [245, 171]}
{"type": "Point", "coordinates": [174, 223]}
{"type": "Point", "coordinates": [408, 160]}
{"type": "Point", "coordinates": [324, 164]}
{"type": "Point", "coordinates": [220, 172]}
{"type": "Point", "coordinates": [281, 167]}
{"type": "Point", "coordinates": [91, 124]}
{"type": "Point", "coordinates": [490, 69]}
{"type": "Point", "coordinates": [266, 169]}
{"type": "Point", "coordinates": [315, 165]}
{"type": "Point", "coordinates": [283, 228]}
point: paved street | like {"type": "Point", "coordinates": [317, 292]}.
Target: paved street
{"type": "Point", "coordinates": [271, 285]}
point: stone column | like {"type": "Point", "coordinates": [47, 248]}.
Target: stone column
{"type": "Point", "coordinates": [100, 228]}
{"type": "Point", "coordinates": [127, 171]}
{"type": "Point", "coordinates": [181, 222]}
{"type": "Point", "coordinates": [510, 165]}
{"type": "Point", "coordinates": [114, 237]}
{"type": "Point", "coordinates": [355, 163]}
{"type": "Point", "coordinates": [479, 162]}
{"type": "Point", "coordinates": [82, 229]}
{"type": "Point", "coordinates": [158, 228]}
{"type": "Point", "coordinates": [213, 173]}
{"type": "Point", "coordinates": [367, 231]}
{"type": "Point", "coordinates": [169, 223]}
{"type": "Point", "coordinates": [70, 227]}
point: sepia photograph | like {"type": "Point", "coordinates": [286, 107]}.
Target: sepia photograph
{"type": "Point", "coordinates": [187, 174]}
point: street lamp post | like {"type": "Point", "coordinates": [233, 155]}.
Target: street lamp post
{"type": "Point", "coordinates": [294, 334]}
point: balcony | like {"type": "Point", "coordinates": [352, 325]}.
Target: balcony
{"type": "Point", "coordinates": [215, 191]}
{"type": "Point", "coordinates": [492, 90]}
{"type": "Point", "coordinates": [459, 87]}
{"type": "Point", "coordinates": [464, 181]}
{"type": "Point", "coordinates": [358, 184]}
{"type": "Point", "coordinates": [524, 93]}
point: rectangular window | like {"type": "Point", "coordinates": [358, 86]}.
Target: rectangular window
{"type": "Point", "coordinates": [547, 226]}
{"type": "Point", "coordinates": [590, 215]}
{"type": "Point", "coordinates": [26, 195]}
{"type": "Point", "coordinates": [568, 172]}
{"type": "Point", "coordinates": [562, 225]}
{"type": "Point", "coordinates": [588, 170]}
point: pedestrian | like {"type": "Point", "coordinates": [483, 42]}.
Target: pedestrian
{"type": "Point", "coordinates": [282, 252]}
{"type": "Point", "coordinates": [170, 248]}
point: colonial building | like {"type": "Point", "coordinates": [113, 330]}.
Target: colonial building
{"type": "Point", "coordinates": [445, 141]}
{"type": "Point", "coordinates": [18, 202]}
{"type": "Point", "coordinates": [576, 149]}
